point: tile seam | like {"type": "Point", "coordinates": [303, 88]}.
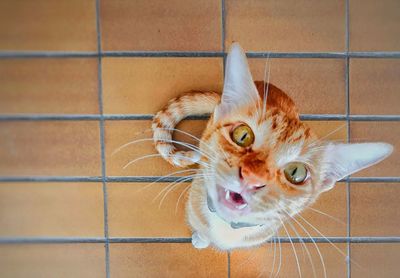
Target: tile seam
{"type": "Point", "coordinates": [223, 22]}
{"type": "Point", "coordinates": [102, 143]}
{"type": "Point", "coordinates": [200, 54]}
{"type": "Point", "coordinates": [135, 179]}
{"type": "Point", "coordinates": [111, 117]}
{"type": "Point", "coordinates": [347, 80]}
{"type": "Point", "coordinates": [55, 240]}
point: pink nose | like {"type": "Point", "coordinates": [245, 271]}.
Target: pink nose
{"type": "Point", "coordinates": [251, 179]}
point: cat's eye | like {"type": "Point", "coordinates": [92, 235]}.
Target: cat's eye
{"type": "Point", "coordinates": [296, 173]}
{"type": "Point", "coordinates": [242, 135]}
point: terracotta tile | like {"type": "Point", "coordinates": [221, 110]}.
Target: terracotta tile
{"type": "Point", "coordinates": [375, 260]}
{"type": "Point", "coordinates": [48, 25]}
{"type": "Point", "coordinates": [152, 82]}
{"type": "Point", "coordinates": [51, 209]}
{"type": "Point", "coordinates": [157, 25]}
{"type": "Point", "coordinates": [48, 260]}
{"type": "Point", "coordinates": [379, 132]}
{"type": "Point", "coordinates": [317, 86]}
{"type": "Point", "coordinates": [328, 216]}
{"type": "Point", "coordinates": [48, 85]}
{"type": "Point", "coordinates": [374, 26]}
{"type": "Point", "coordinates": [133, 213]}
{"type": "Point", "coordinates": [118, 133]}
{"type": "Point", "coordinates": [49, 148]}
{"type": "Point", "coordinates": [284, 26]}
{"type": "Point", "coordinates": [375, 209]}
{"type": "Point", "coordinates": [166, 260]}
{"type": "Point", "coordinates": [374, 86]}
{"type": "Point", "coordinates": [329, 130]}
{"type": "Point", "coordinates": [259, 262]}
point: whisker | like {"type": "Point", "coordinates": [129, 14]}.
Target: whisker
{"type": "Point", "coordinates": [327, 135]}
{"type": "Point", "coordinates": [171, 188]}
{"type": "Point", "coordinates": [280, 255]}
{"type": "Point", "coordinates": [180, 196]}
{"type": "Point", "coordinates": [294, 249]}
{"type": "Point", "coordinates": [313, 241]}
{"type": "Point", "coordinates": [273, 260]}
{"type": "Point", "coordinates": [302, 242]}
{"type": "Point", "coordinates": [327, 215]}
{"type": "Point", "coordinates": [129, 143]}
{"type": "Point", "coordinates": [159, 155]}
{"type": "Point", "coordinates": [330, 242]}
{"type": "Point", "coordinates": [191, 136]}
{"type": "Point", "coordinates": [140, 158]}
{"type": "Point", "coordinates": [179, 180]}
{"type": "Point", "coordinates": [188, 145]}
{"type": "Point", "coordinates": [267, 65]}
{"type": "Point", "coordinates": [166, 176]}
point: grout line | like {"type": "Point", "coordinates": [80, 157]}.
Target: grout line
{"type": "Point", "coordinates": [102, 147]}
{"type": "Point", "coordinates": [223, 29]}
{"type": "Point", "coordinates": [50, 240]}
{"type": "Point", "coordinates": [166, 54]}
{"type": "Point", "coordinates": [111, 240]}
{"type": "Point", "coordinates": [112, 117]}
{"type": "Point", "coordinates": [201, 54]}
{"type": "Point", "coordinates": [223, 33]}
{"type": "Point", "coordinates": [46, 54]}
{"type": "Point", "coordinates": [48, 117]}
{"type": "Point", "coordinates": [223, 22]}
{"type": "Point", "coordinates": [50, 179]}
{"type": "Point", "coordinates": [160, 179]}
{"type": "Point", "coordinates": [347, 80]}
{"type": "Point", "coordinates": [229, 263]}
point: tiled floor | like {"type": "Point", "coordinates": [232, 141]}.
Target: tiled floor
{"type": "Point", "coordinates": [78, 79]}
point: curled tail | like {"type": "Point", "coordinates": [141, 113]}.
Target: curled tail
{"type": "Point", "coordinates": [191, 103]}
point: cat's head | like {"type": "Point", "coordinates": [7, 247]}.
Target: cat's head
{"type": "Point", "coordinates": [265, 162]}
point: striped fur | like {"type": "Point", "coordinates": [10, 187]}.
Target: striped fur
{"type": "Point", "coordinates": [164, 122]}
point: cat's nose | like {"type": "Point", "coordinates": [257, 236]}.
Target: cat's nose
{"type": "Point", "coordinates": [251, 179]}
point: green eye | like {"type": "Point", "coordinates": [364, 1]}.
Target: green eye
{"type": "Point", "coordinates": [243, 136]}
{"type": "Point", "coordinates": [296, 173]}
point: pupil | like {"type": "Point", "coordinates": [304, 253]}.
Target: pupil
{"type": "Point", "coordinates": [243, 137]}
{"type": "Point", "coordinates": [294, 171]}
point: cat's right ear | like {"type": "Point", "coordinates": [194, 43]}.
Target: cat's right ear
{"type": "Point", "coordinates": [341, 160]}
{"type": "Point", "coordinates": [239, 88]}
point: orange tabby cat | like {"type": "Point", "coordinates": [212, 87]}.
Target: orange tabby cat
{"type": "Point", "coordinates": [259, 164]}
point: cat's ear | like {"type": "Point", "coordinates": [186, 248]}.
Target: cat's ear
{"type": "Point", "coordinates": [341, 160]}
{"type": "Point", "coordinates": [239, 88]}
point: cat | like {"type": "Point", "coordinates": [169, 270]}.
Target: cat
{"type": "Point", "coordinates": [259, 165]}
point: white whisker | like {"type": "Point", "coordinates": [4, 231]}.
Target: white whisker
{"type": "Point", "coordinates": [166, 176]}
{"type": "Point", "coordinates": [294, 249]}
{"type": "Point", "coordinates": [180, 196]}
{"type": "Point", "coordinates": [327, 215]}
{"type": "Point", "coordinates": [304, 245]}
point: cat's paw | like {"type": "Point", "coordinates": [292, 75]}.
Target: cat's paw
{"type": "Point", "coordinates": [199, 242]}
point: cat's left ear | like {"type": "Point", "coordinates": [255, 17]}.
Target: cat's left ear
{"type": "Point", "coordinates": [239, 88]}
{"type": "Point", "coordinates": [341, 160]}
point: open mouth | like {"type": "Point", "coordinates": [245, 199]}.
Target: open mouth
{"type": "Point", "coordinates": [232, 200]}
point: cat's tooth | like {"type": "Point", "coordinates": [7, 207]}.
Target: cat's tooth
{"type": "Point", "coordinates": [241, 206]}
{"type": "Point", "coordinates": [227, 194]}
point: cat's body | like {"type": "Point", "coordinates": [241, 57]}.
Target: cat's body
{"type": "Point", "coordinates": [259, 164]}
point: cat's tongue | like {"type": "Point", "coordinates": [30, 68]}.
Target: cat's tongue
{"type": "Point", "coordinates": [236, 198]}
{"type": "Point", "coordinates": [232, 200]}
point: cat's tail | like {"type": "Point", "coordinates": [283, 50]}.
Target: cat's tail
{"type": "Point", "coordinates": [164, 122]}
